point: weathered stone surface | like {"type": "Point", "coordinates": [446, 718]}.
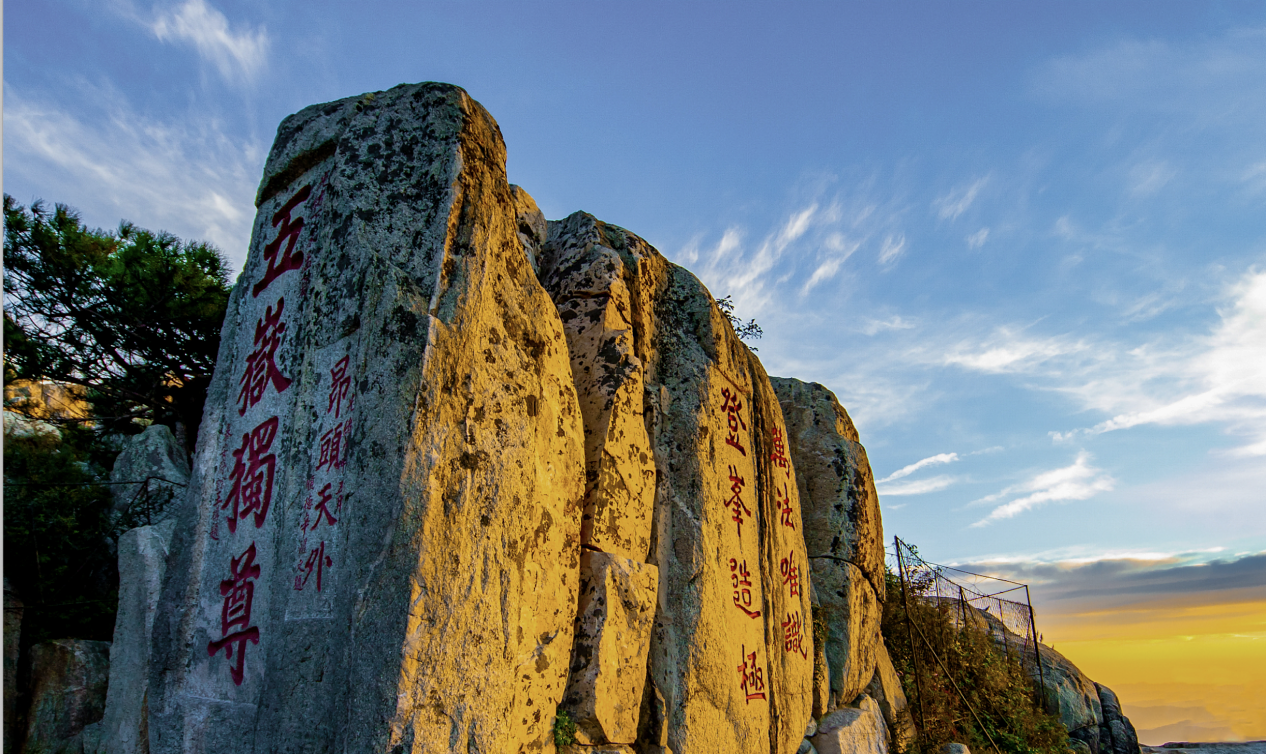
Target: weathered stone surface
{"type": "Point", "coordinates": [953, 748]}
{"type": "Point", "coordinates": [806, 747]}
{"type": "Point", "coordinates": [13, 612]}
{"type": "Point", "coordinates": [885, 689]}
{"type": "Point", "coordinates": [1116, 732]}
{"type": "Point", "coordinates": [842, 529]}
{"type": "Point", "coordinates": [587, 282]}
{"type": "Point", "coordinates": [394, 375]}
{"type": "Point", "coordinates": [531, 224]}
{"type": "Point", "coordinates": [856, 729]}
{"type": "Point", "coordinates": [142, 563]}
{"type": "Point", "coordinates": [821, 666]}
{"type": "Point", "coordinates": [152, 453]}
{"type": "Point", "coordinates": [837, 488]}
{"type": "Point", "coordinates": [732, 648]}
{"type": "Point", "coordinates": [613, 636]}
{"type": "Point", "coordinates": [68, 692]}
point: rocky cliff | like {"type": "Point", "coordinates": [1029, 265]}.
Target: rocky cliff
{"type": "Point", "coordinates": [473, 481]}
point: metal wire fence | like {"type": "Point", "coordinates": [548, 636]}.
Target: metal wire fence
{"type": "Point", "coordinates": [1000, 606]}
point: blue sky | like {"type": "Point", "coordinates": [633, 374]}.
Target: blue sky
{"type": "Point", "coordinates": [1022, 242]}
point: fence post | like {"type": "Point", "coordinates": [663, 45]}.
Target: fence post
{"type": "Point", "coordinates": [914, 654]}
{"type": "Point", "coordinates": [1041, 677]}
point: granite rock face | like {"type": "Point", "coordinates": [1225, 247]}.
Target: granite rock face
{"type": "Point", "coordinates": [148, 459]}
{"type": "Point", "coordinates": [855, 729]}
{"type": "Point", "coordinates": [613, 630]}
{"type": "Point", "coordinates": [379, 550]}
{"type": "Point", "coordinates": [1116, 732]}
{"type": "Point", "coordinates": [885, 689]}
{"type": "Point", "coordinates": [843, 530]}
{"type": "Point", "coordinates": [687, 469]}
{"type": "Point", "coordinates": [68, 692]}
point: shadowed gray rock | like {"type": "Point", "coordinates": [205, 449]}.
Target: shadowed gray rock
{"type": "Point", "coordinates": [68, 692]}
{"type": "Point", "coordinates": [152, 453]}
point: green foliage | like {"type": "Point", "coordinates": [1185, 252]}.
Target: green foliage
{"type": "Point", "coordinates": [748, 330]}
{"type": "Point", "coordinates": [133, 316]}
{"type": "Point", "coordinates": [564, 729]}
{"type": "Point", "coordinates": [997, 688]}
{"type": "Point", "coordinates": [58, 551]}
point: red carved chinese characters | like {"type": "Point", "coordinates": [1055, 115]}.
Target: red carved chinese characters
{"type": "Point", "coordinates": [238, 592]}
{"type": "Point", "coordinates": [790, 575]}
{"type": "Point", "coordinates": [322, 508]}
{"type": "Point", "coordinates": [752, 677]}
{"type": "Point", "coordinates": [289, 234]}
{"type": "Point", "coordinates": [340, 384]}
{"type": "Point", "coordinates": [735, 502]}
{"type": "Point", "coordinates": [741, 581]}
{"type": "Point", "coordinates": [784, 506]}
{"type": "Point", "coordinates": [253, 471]}
{"type": "Point", "coordinates": [779, 453]}
{"type": "Point", "coordinates": [317, 561]}
{"type": "Point", "coordinates": [261, 364]}
{"type": "Point", "coordinates": [793, 635]}
{"type": "Point", "coordinates": [331, 448]}
{"type": "Point", "coordinates": [732, 407]}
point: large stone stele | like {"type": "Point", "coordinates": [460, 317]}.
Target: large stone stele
{"type": "Point", "coordinates": [842, 529]}
{"type": "Point", "coordinates": [380, 547]}
{"type": "Point", "coordinates": [684, 470]}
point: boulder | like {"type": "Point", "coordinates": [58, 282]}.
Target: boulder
{"type": "Point", "coordinates": [379, 548]}
{"type": "Point", "coordinates": [67, 692]}
{"type": "Point", "coordinates": [843, 531]}
{"type": "Point", "coordinates": [613, 633]}
{"type": "Point", "coordinates": [142, 563]}
{"type": "Point", "coordinates": [158, 464]}
{"type": "Point", "coordinates": [953, 748]}
{"type": "Point", "coordinates": [885, 689]}
{"type": "Point", "coordinates": [856, 729]}
{"type": "Point", "coordinates": [1116, 732]}
{"type": "Point", "coordinates": [13, 611]}
{"type": "Point", "coordinates": [682, 434]}
{"type": "Point", "coordinates": [1068, 693]}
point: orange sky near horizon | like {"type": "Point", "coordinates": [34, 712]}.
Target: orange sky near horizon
{"type": "Point", "coordinates": [1182, 672]}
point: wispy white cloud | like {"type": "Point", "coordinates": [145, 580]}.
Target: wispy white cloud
{"type": "Point", "coordinates": [895, 322]}
{"type": "Point", "coordinates": [186, 177]}
{"type": "Point", "coordinates": [1219, 377]}
{"type": "Point", "coordinates": [1150, 176]}
{"type": "Point", "coordinates": [977, 239]}
{"type": "Point", "coordinates": [238, 54]}
{"type": "Point", "coordinates": [917, 487]}
{"type": "Point", "coordinates": [1078, 481]}
{"type": "Point", "coordinates": [1010, 350]}
{"type": "Point", "coordinates": [809, 247]}
{"type": "Point", "coordinates": [893, 247]}
{"type": "Point", "coordinates": [958, 200]}
{"type": "Point", "coordinates": [905, 471]}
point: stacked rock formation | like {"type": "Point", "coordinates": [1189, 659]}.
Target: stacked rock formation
{"type": "Point", "coordinates": [465, 474]}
